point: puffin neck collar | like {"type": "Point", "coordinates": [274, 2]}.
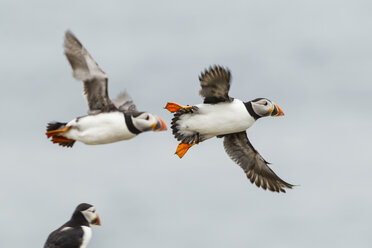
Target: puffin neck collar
{"type": "Point", "coordinates": [130, 125]}
{"type": "Point", "coordinates": [248, 106]}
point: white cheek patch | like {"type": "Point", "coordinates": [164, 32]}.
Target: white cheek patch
{"type": "Point", "coordinates": [143, 124]}
{"type": "Point", "coordinates": [262, 110]}
{"type": "Point", "coordinates": [88, 214]}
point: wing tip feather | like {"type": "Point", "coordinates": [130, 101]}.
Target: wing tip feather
{"type": "Point", "coordinates": [215, 71]}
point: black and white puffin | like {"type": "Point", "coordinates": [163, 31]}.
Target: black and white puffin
{"type": "Point", "coordinates": [75, 233]}
{"type": "Point", "coordinates": [223, 116]}
{"type": "Point", "coordinates": [107, 121]}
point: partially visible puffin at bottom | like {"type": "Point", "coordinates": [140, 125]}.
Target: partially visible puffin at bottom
{"type": "Point", "coordinates": [75, 233]}
{"type": "Point", "coordinates": [223, 116]}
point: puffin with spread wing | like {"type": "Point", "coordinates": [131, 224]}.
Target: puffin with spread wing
{"type": "Point", "coordinates": [223, 116]}
{"type": "Point", "coordinates": [107, 121]}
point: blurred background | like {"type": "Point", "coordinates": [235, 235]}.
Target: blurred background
{"type": "Point", "coordinates": [312, 58]}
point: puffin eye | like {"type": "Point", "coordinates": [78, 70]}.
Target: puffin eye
{"type": "Point", "coordinates": [265, 104]}
{"type": "Point", "coordinates": [147, 118]}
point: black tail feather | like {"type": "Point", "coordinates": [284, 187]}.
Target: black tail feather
{"type": "Point", "coordinates": [55, 125]}
{"type": "Point", "coordinates": [195, 138]}
{"type": "Point", "coordinates": [65, 144]}
{"type": "Point", "coordinates": [58, 139]}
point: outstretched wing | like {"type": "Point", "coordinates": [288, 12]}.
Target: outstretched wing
{"type": "Point", "coordinates": [238, 147]}
{"type": "Point", "coordinates": [215, 84]}
{"type": "Point", "coordinates": [87, 70]}
{"type": "Point", "coordinates": [125, 103]}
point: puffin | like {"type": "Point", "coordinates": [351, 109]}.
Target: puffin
{"type": "Point", "coordinates": [107, 121]}
{"type": "Point", "coordinates": [75, 233]}
{"type": "Point", "coordinates": [225, 117]}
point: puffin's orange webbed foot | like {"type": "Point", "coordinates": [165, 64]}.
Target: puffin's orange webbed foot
{"type": "Point", "coordinates": [61, 139]}
{"type": "Point", "coordinates": [174, 107]}
{"type": "Point", "coordinates": [182, 148]}
{"type": "Point", "coordinates": [56, 132]}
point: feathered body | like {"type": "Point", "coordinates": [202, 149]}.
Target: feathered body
{"type": "Point", "coordinates": [102, 128]}
{"type": "Point", "coordinates": [205, 120]}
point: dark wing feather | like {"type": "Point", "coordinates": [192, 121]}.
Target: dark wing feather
{"type": "Point", "coordinates": [215, 85]}
{"type": "Point", "coordinates": [240, 150]}
{"type": "Point", "coordinates": [87, 70]}
{"type": "Point", "coordinates": [70, 238]}
{"type": "Point", "coordinates": [125, 103]}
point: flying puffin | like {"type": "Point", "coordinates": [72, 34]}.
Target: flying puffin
{"type": "Point", "coordinates": [75, 233]}
{"type": "Point", "coordinates": [223, 116]}
{"type": "Point", "coordinates": [107, 121]}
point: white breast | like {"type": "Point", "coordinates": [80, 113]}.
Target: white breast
{"type": "Point", "coordinates": [217, 119]}
{"type": "Point", "coordinates": [99, 129]}
{"type": "Point", "coordinates": [87, 236]}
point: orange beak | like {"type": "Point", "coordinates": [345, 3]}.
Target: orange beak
{"type": "Point", "coordinates": [159, 125]}
{"type": "Point", "coordinates": [276, 111]}
{"type": "Point", "coordinates": [96, 221]}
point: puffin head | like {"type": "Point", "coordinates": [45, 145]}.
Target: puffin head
{"type": "Point", "coordinates": [89, 213]}
{"type": "Point", "coordinates": [145, 121]}
{"type": "Point", "coordinates": [262, 107]}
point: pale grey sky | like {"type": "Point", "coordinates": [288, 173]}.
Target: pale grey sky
{"type": "Point", "coordinates": [312, 58]}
